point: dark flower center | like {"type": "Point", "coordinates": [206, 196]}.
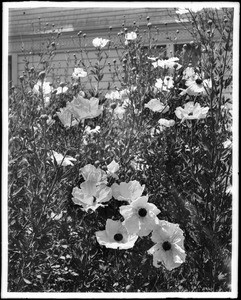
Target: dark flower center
{"type": "Point", "coordinates": [118, 237]}
{"type": "Point", "coordinates": [199, 81]}
{"type": "Point", "coordinates": [142, 212]}
{"type": "Point", "coordinates": [166, 246]}
{"type": "Point", "coordinates": [190, 114]}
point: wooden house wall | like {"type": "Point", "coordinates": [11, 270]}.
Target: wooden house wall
{"type": "Point", "coordinates": [30, 29]}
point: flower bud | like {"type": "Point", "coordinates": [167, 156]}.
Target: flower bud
{"type": "Point", "coordinates": [62, 84]}
{"type": "Point", "coordinates": [97, 163]}
{"type": "Point", "coordinates": [41, 75]}
{"type": "Point", "coordinates": [113, 105]}
{"type": "Point", "coordinates": [210, 22]}
{"type": "Point", "coordinates": [44, 117]}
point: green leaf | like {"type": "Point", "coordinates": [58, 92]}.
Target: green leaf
{"type": "Point", "coordinates": [27, 281]}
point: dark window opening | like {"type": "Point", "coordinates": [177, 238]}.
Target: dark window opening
{"type": "Point", "coordinates": [189, 55]}
{"type": "Point", "coordinates": [178, 49]}
{"type": "Point", "coordinates": [10, 71]}
{"type": "Point", "coordinates": [158, 51]}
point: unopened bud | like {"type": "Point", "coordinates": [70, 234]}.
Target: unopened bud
{"type": "Point", "coordinates": [44, 117]}
{"type": "Point", "coordinates": [62, 84]}
{"type": "Point", "coordinates": [113, 105]}
{"type": "Point", "coordinates": [41, 75]}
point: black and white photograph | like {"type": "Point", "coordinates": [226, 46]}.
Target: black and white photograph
{"type": "Point", "coordinates": [120, 157]}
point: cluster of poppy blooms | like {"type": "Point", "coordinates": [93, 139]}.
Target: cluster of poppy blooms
{"type": "Point", "coordinates": [140, 216]}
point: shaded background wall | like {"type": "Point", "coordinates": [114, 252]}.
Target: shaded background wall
{"type": "Point", "coordinates": [30, 29]}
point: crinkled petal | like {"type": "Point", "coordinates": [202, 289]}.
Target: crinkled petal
{"type": "Point", "coordinates": [103, 193]}
{"type": "Point", "coordinates": [140, 202]}
{"type": "Point", "coordinates": [116, 191]}
{"type": "Point", "coordinates": [89, 188]}
{"type": "Point", "coordinates": [132, 224]}
{"type": "Point", "coordinates": [147, 225]}
{"type": "Point", "coordinates": [126, 211]}
{"type": "Point", "coordinates": [113, 227]}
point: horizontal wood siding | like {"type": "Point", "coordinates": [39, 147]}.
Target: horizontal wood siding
{"type": "Point", "coordinates": [61, 67]}
{"type": "Point", "coordinates": [27, 27]}
{"type": "Point", "coordinates": [34, 20]}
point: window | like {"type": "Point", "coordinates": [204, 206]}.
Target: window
{"type": "Point", "coordinates": [191, 54]}
{"type": "Point", "coordinates": [178, 49]}
{"type": "Point", "coordinates": [10, 79]}
{"type": "Point", "coordinates": [155, 51]}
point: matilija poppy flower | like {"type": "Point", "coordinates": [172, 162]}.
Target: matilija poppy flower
{"type": "Point", "coordinates": [61, 90]}
{"type": "Point", "coordinates": [171, 63]}
{"type": "Point", "coordinates": [90, 196]}
{"type": "Point", "coordinates": [197, 86]}
{"type": "Point", "coordinates": [163, 124]}
{"type": "Point", "coordinates": [90, 131]}
{"type": "Point", "coordinates": [82, 108]}
{"type": "Point", "coordinates": [115, 236]}
{"type": "Point", "coordinates": [191, 111]}
{"type": "Point", "coordinates": [93, 174]}
{"type": "Point", "coordinates": [99, 42]}
{"type": "Point", "coordinates": [119, 112]}
{"type": "Point", "coordinates": [166, 84]}
{"type": "Point", "coordinates": [169, 248]}
{"type": "Point", "coordinates": [79, 73]}
{"type": "Point", "coordinates": [113, 95]}
{"type": "Point", "coordinates": [130, 36]}
{"type": "Point", "coordinates": [61, 160]}
{"type": "Point", "coordinates": [112, 168]}
{"type": "Point", "coordinates": [127, 191]}
{"type": "Point", "coordinates": [46, 89]}
{"type": "Point", "coordinates": [140, 216]}
{"type": "Point", "coordinates": [66, 117]}
{"type": "Point", "coordinates": [194, 9]}
{"type": "Point", "coordinates": [166, 123]}
{"type": "Point", "coordinates": [156, 106]}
